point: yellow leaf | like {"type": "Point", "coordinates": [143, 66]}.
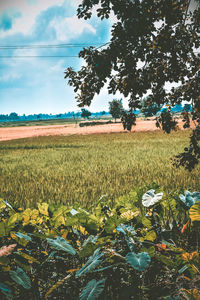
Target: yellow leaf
{"type": "Point", "coordinates": [43, 208]}
{"type": "Point", "coordinates": [83, 230]}
{"type": "Point", "coordinates": [6, 269]}
{"type": "Point", "coordinates": [195, 212]}
{"type": "Point", "coordinates": [129, 215]}
{"type": "Point", "coordinates": [29, 258]}
{"type": "Point", "coordinates": [72, 270]}
{"type": "Point", "coordinates": [194, 293]}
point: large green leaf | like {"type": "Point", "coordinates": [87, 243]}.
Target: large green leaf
{"type": "Point", "coordinates": [195, 212]}
{"type": "Point", "coordinates": [138, 261]}
{"type": "Point", "coordinates": [13, 219]}
{"type": "Point", "coordinates": [91, 264]}
{"type": "Point", "coordinates": [23, 236]}
{"type": "Point", "coordinates": [20, 277]}
{"type": "Point", "coordinates": [111, 224]}
{"type": "Point", "coordinates": [61, 244]}
{"type": "Point", "coordinates": [150, 198]}
{"type": "Point", "coordinates": [93, 289]}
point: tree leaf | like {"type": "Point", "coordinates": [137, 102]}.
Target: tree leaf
{"type": "Point", "coordinates": [93, 289]}
{"type": "Point", "coordinates": [20, 277]}
{"type": "Point", "coordinates": [138, 261]}
{"type": "Point", "coordinates": [61, 244]}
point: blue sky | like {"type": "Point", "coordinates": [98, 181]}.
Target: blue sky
{"type": "Point", "coordinates": [37, 85]}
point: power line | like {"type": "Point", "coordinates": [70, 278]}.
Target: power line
{"type": "Point", "coordinates": [7, 47]}
{"type": "Point", "coordinates": [32, 56]}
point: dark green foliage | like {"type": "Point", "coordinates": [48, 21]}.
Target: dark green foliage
{"type": "Point", "coordinates": [128, 120]}
{"type": "Point", "coordinates": [186, 119]}
{"type": "Point", "coordinates": [145, 56]}
{"type": "Point", "coordinates": [149, 109]}
{"type": "Point", "coordinates": [166, 121]}
{"type": "Point", "coordinates": [85, 113]}
{"type": "Point", "coordinates": [187, 107]}
{"type": "Point", "coordinates": [116, 108]}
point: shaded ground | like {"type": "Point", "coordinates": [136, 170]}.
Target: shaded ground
{"type": "Point", "coordinates": [12, 133]}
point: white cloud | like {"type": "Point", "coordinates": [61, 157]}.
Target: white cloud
{"type": "Point", "coordinates": [10, 76]}
{"type": "Point", "coordinates": [70, 27]}
{"type": "Point", "coordinates": [29, 13]}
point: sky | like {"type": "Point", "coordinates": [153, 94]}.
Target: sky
{"type": "Point", "coordinates": [35, 84]}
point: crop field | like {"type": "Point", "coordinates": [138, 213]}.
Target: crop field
{"type": "Point", "coordinates": [79, 169]}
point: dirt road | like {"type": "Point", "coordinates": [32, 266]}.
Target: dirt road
{"type": "Point", "coordinates": [11, 133]}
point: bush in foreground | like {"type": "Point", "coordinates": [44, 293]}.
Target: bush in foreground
{"type": "Point", "coordinates": [143, 247]}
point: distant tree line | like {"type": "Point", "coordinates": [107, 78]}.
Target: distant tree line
{"type": "Point", "coordinates": [74, 115]}
{"type": "Point", "coordinates": [116, 110]}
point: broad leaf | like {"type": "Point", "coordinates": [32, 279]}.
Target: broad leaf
{"type": "Point", "coordinates": [91, 264]}
{"type": "Point", "coordinates": [20, 277]}
{"type": "Point", "coordinates": [93, 289]}
{"type": "Point", "coordinates": [150, 198]}
{"type": "Point", "coordinates": [123, 228]}
{"type": "Point", "coordinates": [61, 244]}
{"type": "Point", "coordinates": [189, 199]}
{"type": "Point", "coordinates": [43, 208]}
{"type": "Point", "coordinates": [23, 236]}
{"type": "Point", "coordinates": [195, 212]}
{"type": "Point", "coordinates": [138, 261]}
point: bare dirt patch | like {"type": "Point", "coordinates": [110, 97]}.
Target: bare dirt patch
{"type": "Point", "coordinates": [11, 133]}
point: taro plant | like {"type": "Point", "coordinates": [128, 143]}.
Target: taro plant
{"type": "Point", "coordinates": [142, 246]}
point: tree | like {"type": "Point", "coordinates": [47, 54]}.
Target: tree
{"type": "Point", "coordinates": [149, 109]}
{"type": "Point", "coordinates": [166, 121]}
{"type": "Point", "coordinates": [13, 116]}
{"type": "Point", "coordinates": [128, 120]}
{"type": "Point", "coordinates": [152, 43]}
{"type": "Point", "coordinates": [116, 108]}
{"type": "Point", "coordinates": [103, 112]}
{"type": "Point", "coordinates": [85, 113]}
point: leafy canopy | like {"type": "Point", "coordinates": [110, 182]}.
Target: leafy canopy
{"type": "Point", "coordinates": [152, 43]}
{"type": "Point", "coordinates": [85, 113]}
{"type": "Point", "coordinates": [115, 108]}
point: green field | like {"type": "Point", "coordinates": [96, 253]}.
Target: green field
{"type": "Point", "coordinates": [39, 122]}
{"type": "Point", "coordinates": [79, 169]}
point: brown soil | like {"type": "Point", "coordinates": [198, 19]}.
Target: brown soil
{"type": "Point", "coordinates": [12, 133]}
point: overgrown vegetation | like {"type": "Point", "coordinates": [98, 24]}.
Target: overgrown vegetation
{"type": "Point", "coordinates": [79, 169]}
{"type": "Point", "coordinates": [145, 246]}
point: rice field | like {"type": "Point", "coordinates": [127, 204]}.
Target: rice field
{"type": "Point", "coordinates": [79, 169]}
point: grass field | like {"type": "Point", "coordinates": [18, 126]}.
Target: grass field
{"type": "Point", "coordinates": [38, 122]}
{"type": "Point", "coordinates": [79, 169]}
